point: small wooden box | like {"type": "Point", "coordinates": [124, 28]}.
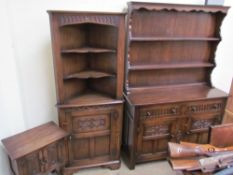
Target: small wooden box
{"type": "Point", "coordinates": [37, 151]}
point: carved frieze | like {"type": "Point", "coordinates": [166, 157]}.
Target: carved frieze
{"type": "Point", "coordinates": [88, 124]}
{"type": "Point", "coordinates": [160, 112]}
{"type": "Point", "coordinates": [200, 124]}
{"type": "Point", "coordinates": [156, 130]}
{"type": "Point", "coordinates": [79, 19]}
{"type": "Point", "coordinates": [205, 107]}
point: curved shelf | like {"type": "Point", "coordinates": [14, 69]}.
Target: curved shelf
{"type": "Point", "coordinates": [169, 66]}
{"type": "Point", "coordinates": [88, 50]}
{"type": "Point", "coordinates": [177, 7]}
{"type": "Point", "coordinates": [89, 98]}
{"type": "Point", "coordinates": [174, 39]}
{"type": "Point", "coordinates": [88, 74]}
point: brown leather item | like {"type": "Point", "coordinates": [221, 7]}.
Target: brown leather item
{"type": "Point", "coordinates": [191, 150]}
{"type": "Point", "coordinates": [221, 135]}
{"type": "Point", "coordinates": [185, 164]}
{"type": "Point", "coordinates": [228, 115]}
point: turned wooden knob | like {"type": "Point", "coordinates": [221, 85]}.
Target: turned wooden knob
{"type": "Point", "coordinates": [215, 106]}
{"type": "Point", "coordinates": [173, 110]}
{"type": "Point", "coordinates": [194, 108]}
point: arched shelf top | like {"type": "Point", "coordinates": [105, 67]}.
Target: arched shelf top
{"type": "Point", "coordinates": [177, 7]}
{"type": "Point", "coordinates": [71, 20]}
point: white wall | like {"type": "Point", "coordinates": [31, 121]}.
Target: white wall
{"type": "Point", "coordinates": [27, 87]}
{"type": "Point", "coordinates": [223, 73]}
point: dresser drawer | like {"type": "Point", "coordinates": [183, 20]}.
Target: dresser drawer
{"type": "Point", "coordinates": [211, 106]}
{"type": "Point", "coordinates": [168, 110]}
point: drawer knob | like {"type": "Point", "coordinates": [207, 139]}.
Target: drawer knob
{"type": "Point", "coordinates": [148, 113]}
{"type": "Point", "coordinates": [215, 106]}
{"type": "Point", "coordinates": [172, 136]}
{"type": "Point", "coordinates": [193, 108]}
{"type": "Point", "coordinates": [173, 110]}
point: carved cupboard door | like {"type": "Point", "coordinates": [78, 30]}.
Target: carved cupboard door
{"type": "Point", "coordinates": [32, 164]}
{"type": "Point", "coordinates": [95, 134]}
{"type": "Point", "coordinates": [201, 115]}
{"type": "Point", "coordinates": [153, 136]}
{"type": "Point", "coordinates": [55, 156]}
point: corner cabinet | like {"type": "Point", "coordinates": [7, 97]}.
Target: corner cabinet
{"type": "Point", "coordinates": [88, 52]}
{"type": "Point", "coordinates": [168, 91]}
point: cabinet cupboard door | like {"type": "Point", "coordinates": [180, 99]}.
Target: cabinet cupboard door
{"type": "Point", "coordinates": [32, 164]}
{"type": "Point", "coordinates": [198, 127]}
{"type": "Point", "coordinates": [55, 155]}
{"type": "Point", "coordinates": [95, 135]}
{"type": "Point", "coordinates": [153, 136]}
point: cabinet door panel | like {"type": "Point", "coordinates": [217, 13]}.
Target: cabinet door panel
{"type": "Point", "coordinates": [32, 164]}
{"type": "Point", "coordinates": [51, 154]}
{"type": "Point", "coordinates": [198, 127]}
{"type": "Point", "coordinates": [102, 146]}
{"type": "Point", "coordinates": [80, 148]}
{"type": "Point", "coordinates": [95, 134]}
{"type": "Point", "coordinates": [154, 134]}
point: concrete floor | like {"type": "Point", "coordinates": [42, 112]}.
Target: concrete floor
{"type": "Point", "coordinates": [152, 168]}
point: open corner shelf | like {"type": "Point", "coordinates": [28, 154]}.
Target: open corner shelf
{"type": "Point", "coordinates": [90, 98]}
{"type": "Point", "coordinates": [142, 39]}
{"type": "Point", "coordinates": [88, 54]}
{"type": "Point", "coordinates": [89, 74]}
{"type": "Point", "coordinates": [88, 50]}
{"type": "Point", "coordinates": [169, 66]}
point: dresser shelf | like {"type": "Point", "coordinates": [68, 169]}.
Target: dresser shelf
{"type": "Point", "coordinates": [142, 39]}
{"type": "Point", "coordinates": [169, 66]}
{"type": "Point", "coordinates": [87, 99]}
{"type": "Point", "coordinates": [89, 74]}
{"type": "Point", "coordinates": [88, 50]}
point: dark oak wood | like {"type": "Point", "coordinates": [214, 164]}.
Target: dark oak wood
{"type": "Point", "coordinates": [40, 150]}
{"type": "Point", "coordinates": [168, 91]}
{"type": "Point", "coordinates": [221, 135]}
{"type": "Point", "coordinates": [95, 135]}
{"type": "Point", "coordinates": [83, 43]}
{"type": "Point", "coordinates": [89, 74]}
{"type": "Point", "coordinates": [88, 51]}
{"type": "Point", "coordinates": [174, 39]}
{"type": "Point", "coordinates": [170, 66]}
